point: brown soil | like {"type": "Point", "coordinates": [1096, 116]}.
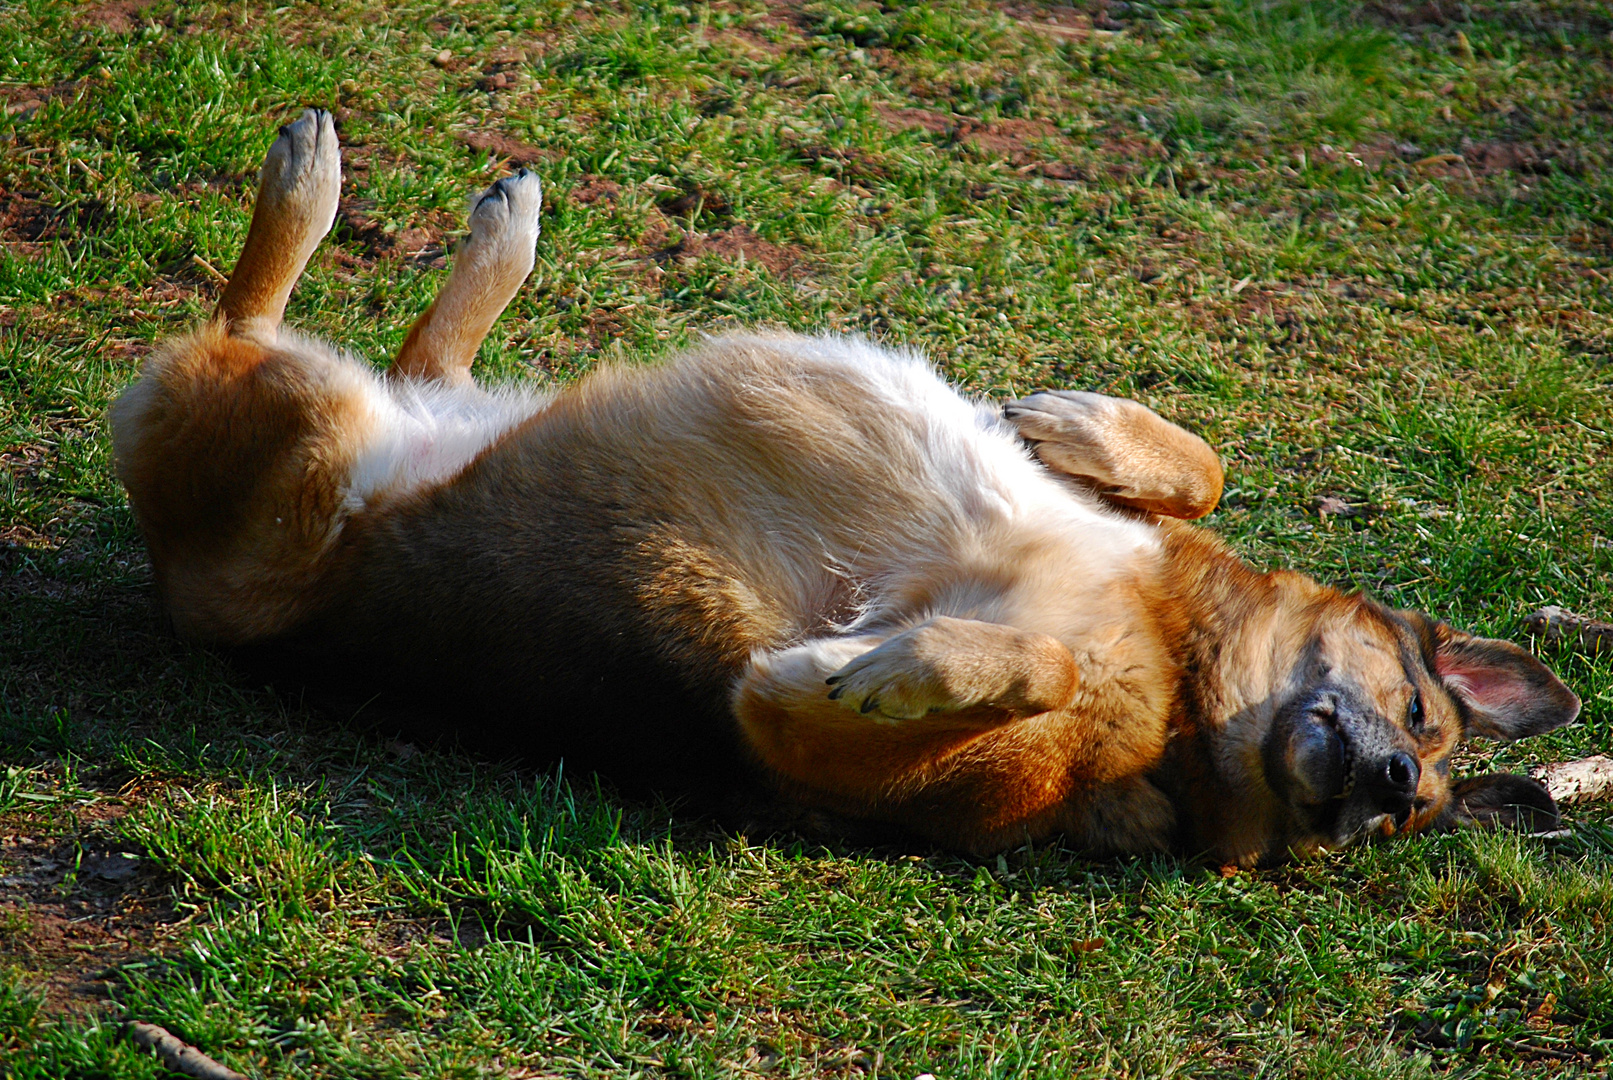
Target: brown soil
{"type": "Point", "coordinates": [1022, 142]}
{"type": "Point", "coordinates": [25, 222]}
{"type": "Point", "coordinates": [1488, 158]}
{"type": "Point", "coordinates": [23, 101]}
{"type": "Point", "coordinates": [70, 917]}
{"type": "Point", "coordinates": [423, 242]}
{"type": "Point", "coordinates": [732, 244]}
{"type": "Point", "coordinates": [787, 13]}
{"type": "Point", "coordinates": [1416, 14]}
{"type": "Point", "coordinates": [504, 70]}
{"type": "Point", "coordinates": [1010, 138]}
{"type": "Point", "coordinates": [505, 148]}
{"type": "Point", "coordinates": [1057, 21]}
{"type": "Point", "coordinates": [924, 119]}
{"type": "Point", "coordinates": [590, 189]}
{"type": "Point", "coordinates": [118, 17]}
{"type": "Point", "coordinates": [695, 199]}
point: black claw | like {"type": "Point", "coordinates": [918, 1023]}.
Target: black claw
{"type": "Point", "coordinates": [831, 680]}
{"type": "Point", "coordinates": [869, 706]}
{"type": "Point", "coordinates": [834, 695]}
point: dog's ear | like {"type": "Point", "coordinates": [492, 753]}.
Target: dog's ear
{"type": "Point", "coordinates": [1499, 801]}
{"type": "Point", "coordinates": [1504, 692]}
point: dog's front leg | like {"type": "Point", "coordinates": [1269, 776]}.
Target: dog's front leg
{"type": "Point", "coordinates": [861, 716]}
{"type": "Point", "coordinates": [952, 665]}
{"type": "Point", "coordinates": [489, 267]}
{"type": "Point", "coordinates": [1133, 455]}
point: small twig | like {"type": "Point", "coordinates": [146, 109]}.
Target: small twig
{"type": "Point", "coordinates": [1585, 780]}
{"type": "Point", "coordinates": [209, 269]}
{"type": "Point", "coordinates": [1546, 1051]}
{"type": "Point", "coordinates": [179, 1056]}
{"type": "Point", "coordinates": [1579, 633]}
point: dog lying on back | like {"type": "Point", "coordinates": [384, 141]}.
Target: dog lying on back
{"type": "Point", "coordinates": [801, 559]}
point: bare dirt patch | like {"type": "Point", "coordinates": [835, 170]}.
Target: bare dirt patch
{"type": "Point", "coordinates": [71, 914]}
{"type": "Point", "coordinates": [25, 222]}
{"type": "Point", "coordinates": [23, 101]}
{"type": "Point", "coordinates": [424, 241]}
{"type": "Point", "coordinates": [505, 69]}
{"type": "Point", "coordinates": [1022, 141]}
{"type": "Point", "coordinates": [506, 148]}
{"type": "Point", "coordinates": [1010, 138]}
{"type": "Point", "coordinates": [739, 242]}
{"type": "Point", "coordinates": [590, 189]}
{"type": "Point", "coordinates": [1542, 158]}
{"type": "Point", "coordinates": [786, 13]}
{"type": "Point", "coordinates": [750, 45]}
{"type": "Point", "coordinates": [118, 17]}
{"type": "Point", "coordinates": [923, 119]}
{"type": "Point", "coordinates": [1057, 21]}
{"type": "Point", "coordinates": [696, 199]}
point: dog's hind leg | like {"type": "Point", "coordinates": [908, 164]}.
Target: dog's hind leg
{"type": "Point", "coordinates": [1131, 454]}
{"type": "Point", "coordinates": [297, 195]}
{"type": "Point", "coordinates": [856, 715]}
{"type": "Point", "coordinates": [489, 267]}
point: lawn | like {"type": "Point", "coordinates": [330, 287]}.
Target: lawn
{"type": "Point", "coordinates": [1365, 250]}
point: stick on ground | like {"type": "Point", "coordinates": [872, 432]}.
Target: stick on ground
{"type": "Point", "coordinates": [1567, 630]}
{"type": "Point", "coordinates": [1585, 780]}
{"type": "Point", "coordinates": [179, 1056]}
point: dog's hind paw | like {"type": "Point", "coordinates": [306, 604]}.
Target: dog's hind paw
{"type": "Point", "coordinates": [302, 172]}
{"type": "Point", "coordinates": [508, 211]}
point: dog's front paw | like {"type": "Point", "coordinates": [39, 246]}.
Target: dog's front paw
{"type": "Point", "coordinates": [1071, 428]}
{"type": "Point", "coordinates": [896, 681]}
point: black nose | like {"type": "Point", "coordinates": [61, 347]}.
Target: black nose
{"type": "Point", "coordinates": [1398, 784]}
{"type": "Point", "coordinates": [1403, 772]}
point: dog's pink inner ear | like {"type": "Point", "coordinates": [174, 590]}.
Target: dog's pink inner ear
{"type": "Point", "coordinates": [1508, 693]}
{"type": "Point", "coordinates": [1482, 687]}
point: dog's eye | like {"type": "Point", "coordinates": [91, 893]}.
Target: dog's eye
{"type": "Point", "coordinates": [1414, 714]}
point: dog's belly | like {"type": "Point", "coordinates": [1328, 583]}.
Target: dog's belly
{"type": "Point", "coordinates": [608, 569]}
{"type": "Point", "coordinates": [844, 485]}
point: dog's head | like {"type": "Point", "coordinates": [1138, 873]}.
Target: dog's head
{"type": "Point", "coordinates": [1361, 736]}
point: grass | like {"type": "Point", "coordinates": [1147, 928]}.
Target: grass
{"type": "Point", "coordinates": [1365, 249]}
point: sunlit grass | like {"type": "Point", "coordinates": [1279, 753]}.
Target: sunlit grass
{"type": "Point", "coordinates": [1251, 216]}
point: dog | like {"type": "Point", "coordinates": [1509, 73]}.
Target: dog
{"type": "Point", "coordinates": [801, 561]}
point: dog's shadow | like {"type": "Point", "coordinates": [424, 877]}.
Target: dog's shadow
{"type": "Point", "coordinates": [92, 673]}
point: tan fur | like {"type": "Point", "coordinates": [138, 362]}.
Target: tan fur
{"type": "Point", "coordinates": [795, 559]}
{"type": "Point", "coordinates": [1134, 457]}
{"type": "Point", "coordinates": [297, 195]}
{"type": "Point", "coordinates": [488, 270]}
{"type": "Point", "coordinates": [240, 535]}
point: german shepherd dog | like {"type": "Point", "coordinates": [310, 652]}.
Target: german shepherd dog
{"type": "Point", "coordinates": [800, 559]}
